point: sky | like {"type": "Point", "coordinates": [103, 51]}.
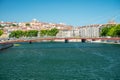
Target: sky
{"type": "Point", "coordinates": [70, 12]}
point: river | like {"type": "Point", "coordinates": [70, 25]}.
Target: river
{"type": "Point", "coordinates": [60, 61]}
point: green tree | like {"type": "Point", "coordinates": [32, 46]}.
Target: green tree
{"type": "Point", "coordinates": [12, 34]}
{"type": "Point", "coordinates": [1, 32]}
{"type": "Point", "coordinates": [20, 33]}
{"type": "Point", "coordinates": [51, 32]}
{"type": "Point", "coordinates": [31, 33]}
{"type": "Point", "coordinates": [25, 33]}
{"type": "Point", "coordinates": [27, 24]}
{"type": "Point", "coordinates": [44, 32]}
{"type": "Point", "coordinates": [111, 30]}
{"type": "Point", "coordinates": [117, 31]}
{"type": "Point", "coordinates": [16, 34]}
{"type": "Point", "coordinates": [104, 31]}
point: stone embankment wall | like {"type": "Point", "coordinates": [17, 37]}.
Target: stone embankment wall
{"type": "Point", "coordinates": [5, 45]}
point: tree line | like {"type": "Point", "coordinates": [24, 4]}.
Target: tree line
{"type": "Point", "coordinates": [33, 33]}
{"type": "Point", "coordinates": [51, 32]}
{"type": "Point", "coordinates": [112, 30]}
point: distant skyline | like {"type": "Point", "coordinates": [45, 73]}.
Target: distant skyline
{"type": "Point", "coordinates": [70, 12]}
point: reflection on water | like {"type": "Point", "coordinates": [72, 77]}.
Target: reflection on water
{"type": "Point", "coordinates": [60, 61]}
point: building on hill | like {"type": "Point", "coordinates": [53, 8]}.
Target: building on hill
{"type": "Point", "coordinates": [89, 31]}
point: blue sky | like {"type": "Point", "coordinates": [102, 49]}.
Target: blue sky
{"type": "Point", "coordinates": [72, 12]}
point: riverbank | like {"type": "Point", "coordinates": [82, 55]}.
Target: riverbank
{"type": "Point", "coordinates": [68, 40]}
{"type": "Point", "coordinates": [5, 45]}
{"type": "Point", "coordinates": [106, 42]}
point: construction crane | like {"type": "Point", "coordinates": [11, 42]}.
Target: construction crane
{"type": "Point", "coordinates": [112, 21]}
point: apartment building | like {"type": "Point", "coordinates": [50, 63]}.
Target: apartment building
{"type": "Point", "coordinates": [90, 31]}
{"type": "Point", "coordinates": [93, 31]}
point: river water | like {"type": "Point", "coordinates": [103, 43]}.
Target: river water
{"type": "Point", "coordinates": [60, 61]}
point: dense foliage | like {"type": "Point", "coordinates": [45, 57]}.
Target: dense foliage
{"type": "Point", "coordinates": [113, 31]}
{"type": "Point", "coordinates": [20, 33]}
{"type": "Point", "coordinates": [44, 32]}
{"type": "Point", "coordinates": [16, 34]}
{"type": "Point", "coordinates": [33, 33]}
{"type": "Point", "coordinates": [1, 32]}
{"type": "Point", "coordinates": [51, 32]}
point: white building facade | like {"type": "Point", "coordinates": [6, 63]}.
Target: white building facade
{"type": "Point", "coordinates": [92, 31]}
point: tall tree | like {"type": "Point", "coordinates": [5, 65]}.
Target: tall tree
{"type": "Point", "coordinates": [112, 30]}
{"type": "Point", "coordinates": [104, 31]}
